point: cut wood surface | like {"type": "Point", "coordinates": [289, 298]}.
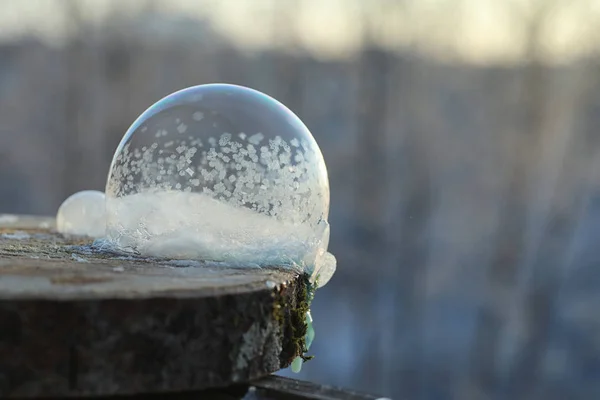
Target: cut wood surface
{"type": "Point", "coordinates": [77, 321]}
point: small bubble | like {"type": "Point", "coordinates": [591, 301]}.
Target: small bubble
{"type": "Point", "coordinates": [82, 213]}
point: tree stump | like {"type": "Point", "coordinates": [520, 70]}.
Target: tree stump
{"type": "Point", "coordinates": [76, 321]}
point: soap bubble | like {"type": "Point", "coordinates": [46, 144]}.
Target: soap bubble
{"type": "Point", "coordinates": [82, 213]}
{"type": "Point", "coordinates": [224, 173]}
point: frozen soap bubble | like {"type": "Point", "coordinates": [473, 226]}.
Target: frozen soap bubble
{"type": "Point", "coordinates": [224, 173]}
{"type": "Point", "coordinates": [82, 213]}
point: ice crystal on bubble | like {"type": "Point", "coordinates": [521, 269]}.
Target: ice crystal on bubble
{"type": "Point", "coordinates": [224, 173]}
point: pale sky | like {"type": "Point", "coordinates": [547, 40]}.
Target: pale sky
{"type": "Point", "coordinates": [480, 31]}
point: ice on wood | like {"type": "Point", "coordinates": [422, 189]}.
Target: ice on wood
{"type": "Point", "coordinates": [83, 213]}
{"type": "Point", "coordinates": [221, 172]}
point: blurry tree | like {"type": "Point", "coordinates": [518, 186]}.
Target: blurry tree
{"type": "Point", "coordinates": [509, 270]}
{"type": "Point", "coordinates": [289, 71]}
{"type": "Point", "coordinates": [85, 92]}
{"type": "Point", "coordinates": [74, 158]}
{"type": "Point", "coordinates": [385, 78]}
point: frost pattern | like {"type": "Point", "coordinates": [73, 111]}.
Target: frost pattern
{"type": "Point", "coordinates": [236, 197]}
{"type": "Point", "coordinates": [270, 177]}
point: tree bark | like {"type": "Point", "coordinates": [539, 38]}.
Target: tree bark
{"type": "Point", "coordinates": [75, 321]}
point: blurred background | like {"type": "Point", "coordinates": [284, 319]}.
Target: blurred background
{"type": "Point", "coordinates": [463, 145]}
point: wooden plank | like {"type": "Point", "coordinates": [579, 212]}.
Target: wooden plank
{"type": "Point", "coordinates": [268, 388]}
{"type": "Point", "coordinates": [76, 321]}
{"type": "Point", "coordinates": [278, 387]}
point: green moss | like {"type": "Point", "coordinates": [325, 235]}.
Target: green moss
{"type": "Point", "coordinates": [307, 295]}
{"type": "Point", "coordinates": [292, 319]}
